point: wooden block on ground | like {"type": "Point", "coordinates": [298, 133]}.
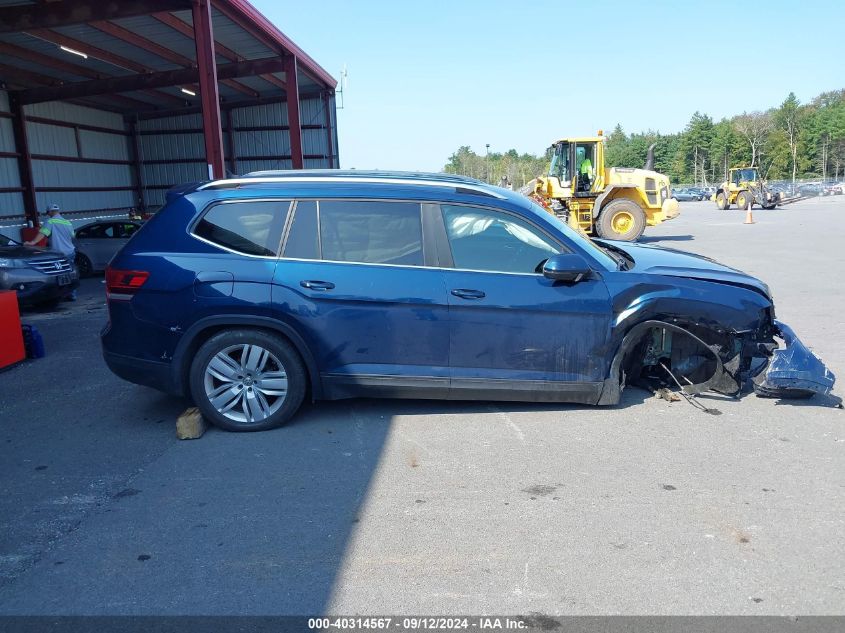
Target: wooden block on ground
{"type": "Point", "coordinates": [190, 425]}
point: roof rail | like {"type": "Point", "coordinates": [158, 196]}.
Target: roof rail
{"type": "Point", "coordinates": [459, 184]}
{"type": "Point", "coordinates": [358, 173]}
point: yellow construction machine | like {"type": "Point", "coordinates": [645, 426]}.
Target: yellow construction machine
{"type": "Point", "coordinates": [745, 188]}
{"type": "Point", "coordinates": [617, 203]}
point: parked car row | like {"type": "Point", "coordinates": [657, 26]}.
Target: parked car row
{"type": "Point", "coordinates": [686, 194]}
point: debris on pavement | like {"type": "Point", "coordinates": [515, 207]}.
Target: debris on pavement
{"type": "Point", "coordinates": [190, 425]}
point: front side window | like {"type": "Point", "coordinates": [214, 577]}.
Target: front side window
{"type": "Point", "coordinates": [371, 232]}
{"type": "Point", "coordinates": [482, 239]}
{"type": "Point", "coordinates": [250, 227]}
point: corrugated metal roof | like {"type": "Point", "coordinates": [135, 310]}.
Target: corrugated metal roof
{"type": "Point", "coordinates": [242, 32]}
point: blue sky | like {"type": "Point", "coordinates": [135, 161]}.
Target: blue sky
{"type": "Point", "coordinates": [427, 77]}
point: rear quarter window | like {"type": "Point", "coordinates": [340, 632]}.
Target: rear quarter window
{"type": "Point", "coordinates": [249, 227]}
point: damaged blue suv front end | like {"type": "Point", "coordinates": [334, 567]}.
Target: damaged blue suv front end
{"type": "Point", "coordinates": [709, 327]}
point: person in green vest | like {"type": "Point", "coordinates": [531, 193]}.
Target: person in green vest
{"type": "Point", "coordinates": [61, 234]}
{"type": "Point", "coordinates": [584, 167]}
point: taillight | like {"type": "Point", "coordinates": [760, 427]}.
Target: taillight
{"type": "Point", "coordinates": [122, 284]}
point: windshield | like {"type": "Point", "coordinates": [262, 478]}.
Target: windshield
{"type": "Point", "coordinates": [7, 241]}
{"type": "Point", "coordinates": [746, 175]}
{"type": "Point", "coordinates": [560, 163]}
{"type": "Point", "coordinates": [578, 238]}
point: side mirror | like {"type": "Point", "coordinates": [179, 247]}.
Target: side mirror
{"type": "Point", "coordinates": [566, 267]}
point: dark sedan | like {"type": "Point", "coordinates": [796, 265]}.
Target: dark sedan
{"type": "Point", "coordinates": [39, 276]}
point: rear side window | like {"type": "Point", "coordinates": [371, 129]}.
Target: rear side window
{"type": "Point", "coordinates": [251, 227]}
{"type": "Point", "coordinates": [372, 232]}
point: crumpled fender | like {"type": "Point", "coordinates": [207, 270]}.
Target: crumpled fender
{"type": "Point", "coordinates": [794, 366]}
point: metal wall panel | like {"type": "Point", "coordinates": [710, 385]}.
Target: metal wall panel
{"type": "Point", "coordinates": [10, 204]}
{"type": "Point", "coordinates": [171, 146]}
{"type": "Point", "coordinates": [72, 113]}
{"type": "Point", "coordinates": [7, 136]}
{"type": "Point", "coordinates": [261, 115]}
{"type": "Point", "coordinates": [4, 101]}
{"type": "Point", "coordinates": [53, 173]}
{"type": "Point", "coordinates": [260, 165]}
{"type": "Point", "coordinates": [103, 145]}
{"type": "Point", "coordinates": [86, 200]}
{"type": "Point", "coordinates": [9, 174]}
{"type": "Point", "coordinates": [51, 139]}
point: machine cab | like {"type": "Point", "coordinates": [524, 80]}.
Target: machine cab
{"type": "Point", "coordinates": [576, 163]}
{"type": "Point", "coordinates": [745, 174]}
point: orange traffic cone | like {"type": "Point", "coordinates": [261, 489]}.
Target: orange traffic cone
{"type": "Point", "coordinates": [749, 219]}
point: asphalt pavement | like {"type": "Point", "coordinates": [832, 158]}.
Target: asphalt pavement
{"type": "Point", "coordinates": [419, 507]}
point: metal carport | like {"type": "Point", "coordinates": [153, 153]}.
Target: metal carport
{"type": "Point", "coordinates": [104, 105]}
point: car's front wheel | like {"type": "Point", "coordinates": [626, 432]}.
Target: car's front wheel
{"type": "Point", "coordinates": [247, 380]}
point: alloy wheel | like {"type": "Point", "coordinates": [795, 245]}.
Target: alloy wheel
{"type": "Point", "coordinates": [245, 383]}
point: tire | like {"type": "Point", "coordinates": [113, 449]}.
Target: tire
{"type": "Point", "coordinates": [240, 358]}
{"type": "Point", "coordinates": [744, 200]}
{"type": "Point", "coordinates": [622, 220]}
{"type": "Point", "coordinates": [722, 201]}
{"type": "Point", "coordinates": [84, 265]}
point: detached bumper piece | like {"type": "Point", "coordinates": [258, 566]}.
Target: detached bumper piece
{"type": "Point", "coordinates": [793, 371]}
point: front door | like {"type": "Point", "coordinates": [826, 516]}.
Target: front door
{"type": "Point", "coordinates": [514, 333]}
{"type": "Point", "coordinates": [353, 281]}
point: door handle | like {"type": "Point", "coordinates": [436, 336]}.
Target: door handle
{"type": "Point", "coordinates": [316, 285]}
{"type": "Point", "coordinates": [464, 293]}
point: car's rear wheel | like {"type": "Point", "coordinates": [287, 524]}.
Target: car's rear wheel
{"type": "Point", "coordinates": [722, 201]}
{"type": "Point", "coordinates": [84, 265]}
{"type": "Point", "coordinates": [621, 220]}
{"type": "Point", "coordinates": [247, 380]}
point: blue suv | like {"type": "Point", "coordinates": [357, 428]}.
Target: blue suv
{"type": "Point", "coordinates": [250, 294]}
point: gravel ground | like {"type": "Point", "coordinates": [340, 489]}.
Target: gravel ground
{"type": "Point", "coordinates": [412, 507]}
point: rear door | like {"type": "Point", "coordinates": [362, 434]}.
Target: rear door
{"type": "Point", "coordinates": [515, 334]}
{"type": "Point", "coordinates": [353, 280]}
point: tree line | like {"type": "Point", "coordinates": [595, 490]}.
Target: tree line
{"type": "Point", "coordinates": [789, 142]}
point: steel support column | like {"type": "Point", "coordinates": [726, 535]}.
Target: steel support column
{"type": "Point", "coordinates": [30, 204]}
{"type": "Point", "coordinates": [233, 152]}
{"type": "Point", "coordinates": [137, 169]}
{"type": "Point", "coordinates": [294, 124]}
{"type": "Point", "coordinates": [327, 101]}
{"type": "Point", "coordinates": [207, 65]}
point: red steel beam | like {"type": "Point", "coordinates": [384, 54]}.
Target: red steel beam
{"type": "Point", "coordinates": [48, 61]}
{"type": "Point", "coordinates": [128, 83]}
{"type": "Point", "coordinates": [110, 58]}
{"type": "Point", "coordinates": [75, 69]}
{"type": "Point", "coordinates": [329, 137]}
{"type": "Point", "coordinates": [295, 131]}
{"type": "Point", "coordinates": [212, 129]}
{"type": "Point", "coordinates": [121, 33]}
{"type": "Point", "coordinates": [24, 159]}
{"type": "Point", "coordinates": [55, 14]}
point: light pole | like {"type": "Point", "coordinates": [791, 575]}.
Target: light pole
{"type": "Point", "coordinates": [488, 164]}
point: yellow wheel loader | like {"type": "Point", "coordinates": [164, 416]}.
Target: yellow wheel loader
{"type": "Point", "coordinates": [745, 188]}
{"type": "Point", "coordinates": [616, 203]}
